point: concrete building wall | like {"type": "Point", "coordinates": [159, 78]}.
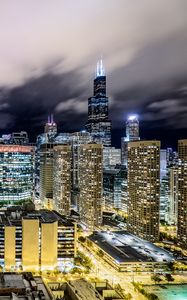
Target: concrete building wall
{"type": "Point", "coordinates": [49, 245]}
{"type": "Point", "coordinates": [10, 246]}
{"type": "Point", "coordinates": [30, 244]}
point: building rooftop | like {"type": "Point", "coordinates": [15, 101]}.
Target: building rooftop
{"type": "Point", "coordinates": [22, 286]}
{"type": "Point", "coordinates": [14, 216]}
{"type": "Point", "coordinates": [126, 247]}
{"type": "Point", "coordinates": [84, 290]}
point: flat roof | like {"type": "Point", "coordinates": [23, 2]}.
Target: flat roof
{"type": "Point", "coordinates": [14, 218]}
{"type": "Point", "coordinates": [12, 281]}
{"type": "Point", "coordinates": [84, 290]}
{"type": "Point", "coordinates": [126, 247]}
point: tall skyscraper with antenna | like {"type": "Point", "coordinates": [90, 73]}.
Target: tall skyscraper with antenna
{"type": "Point", "coordinates": [50, 128]}
{"type": "Point", "coordinates": [98, 123]}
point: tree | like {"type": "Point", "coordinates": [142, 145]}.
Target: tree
{"type": "Point", "coordinates": [82, 239]}
{"type": "Point", "coordinates": [152, 297]}
{"type": "Point", "coordinates": [170, 266]}
{"type": "Point", "coordinates": [100, 253]}
{"type": "Point", "coordinates": [155, 278]}
{"type": "Point", "coordinates": [169, 278]}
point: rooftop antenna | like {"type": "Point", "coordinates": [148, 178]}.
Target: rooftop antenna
{"type": "Point", "coordinates": [100, 71]}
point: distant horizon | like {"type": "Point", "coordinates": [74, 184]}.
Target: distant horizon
{"type": "Point", "coordinates": [167, 136]}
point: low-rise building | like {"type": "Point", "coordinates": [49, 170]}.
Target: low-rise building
{"type": "Point", "coordinates": [127, 252]}
{"type": "Point", "coordinates": [23, 286]}
{"type": "Point", "coordinates": [81, 289]}
{"type": "Point", "coordinates": [36, 240]}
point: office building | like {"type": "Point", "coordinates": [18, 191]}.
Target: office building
{"type": "Point", "coordinates": [35, 239]}
{"type": "Point", "coordinates": [63, 138]}
{"type": "Point", "coordinates": [98, 123]}
{"type": "Point", "coordinates": [50, 129]}
{"type": "Point", "coordinates": [91, 184]}
{"type": "Point", "coordinates": [16, 173]}
{"type": "Point", "coordinates": [62, 178]}
{"type": "Point", "coordinates": [46, 173]}
{"type": "Point", "coordinates": [182, 194]}
{"type": "Point", "coordinates": [111, 157]}
{"type": "Point", "coordinates": [171, 157]}
{"type": "Point", "coordinates": [48, 137]}
{"type": "Point", "coordinates": [19, 138]}
{"type": "Point", "coordinates": [143, 189]}
{"type": "Point", "coordinates": [112, 187]}
{"type": "Point", "coordinates": [132, 134]}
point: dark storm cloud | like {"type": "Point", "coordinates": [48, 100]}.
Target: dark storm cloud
{"type": "Point", "coordinates": [48, 53]}
{"type": "Point", "coordinates": [32, 102]}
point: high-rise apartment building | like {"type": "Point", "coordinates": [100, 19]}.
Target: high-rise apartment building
{"type": "Point", "coordinates": [36, 239]}
{"type": "Point", "coordinates": [91, 184]}
{"type": "Point", "coordinates": [182, 193]}
{"type": "Point", "coordinates": [164, 186]}
{"type": "Point", "coordinates": [77, 139]}
{"type": "Point", "coordinates": [132, 134]}
{"type": "Point", "coordinates": [98, 123]}
{"type": "Point", "coordinates": [46, 173]}
{"type": "Point", "coordinates": [173, 195]}
{"type": "Point", "coordinates": [16, 173]}
{"type": "Point", "coordinates": [143, 189]}
{"type": "Point", "coordinates": [62, 178]}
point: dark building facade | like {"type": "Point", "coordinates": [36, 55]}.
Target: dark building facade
{"type": "Point", "coordinates": [98, 123]}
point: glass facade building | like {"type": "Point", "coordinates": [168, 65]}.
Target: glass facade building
{"type": "Point", "coordinates": [132, 134]}
{"type": "Point", "coordinates": [113, 180]}
{"type": "Point", "coordinates": [16, 173]}
{"type": "Point", "coordinates": [98, 123]}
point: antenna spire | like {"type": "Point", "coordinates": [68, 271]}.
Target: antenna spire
{"type": "Point", "coordinates": [100, 68]}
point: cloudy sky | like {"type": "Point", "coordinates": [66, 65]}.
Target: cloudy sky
{"type": "Point", "coordinates": [49, 49]}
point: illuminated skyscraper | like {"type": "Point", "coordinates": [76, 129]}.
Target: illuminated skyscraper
{"type": "Point", "coordinates": [91, 184]}
{"type": "Point", "coordinates": [173, 195]}
{"type": "Point", "coordinates": [16, 173]}
{"type": "Point", "coordinates": [132, 134]}
{"type": "Point", "coordinates": [98, 123]}
{"type": "Point", "coordinates": [182, 193]}
{"type": "Point", "coordinates": [50, 129]}
{"type": "Point", "coordinates": [132, 128]}
{"type": "Point", "coordinates": [62, 179]}
{"type": "Point", "coordinates": [46, 173]}
{"type": "Point", "coordinates": [143, 189]}
{"type": "Point", "coordinates": [111, 157]}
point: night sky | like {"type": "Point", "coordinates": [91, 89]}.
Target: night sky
{"type": "Point", "coordinates": [48, 54]}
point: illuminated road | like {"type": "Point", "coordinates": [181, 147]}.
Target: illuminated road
{"type": "Point", "coordinates": [104, 271]}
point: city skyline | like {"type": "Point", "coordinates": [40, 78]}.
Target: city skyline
{"type": "Point", "coordinates": [145, 64]}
